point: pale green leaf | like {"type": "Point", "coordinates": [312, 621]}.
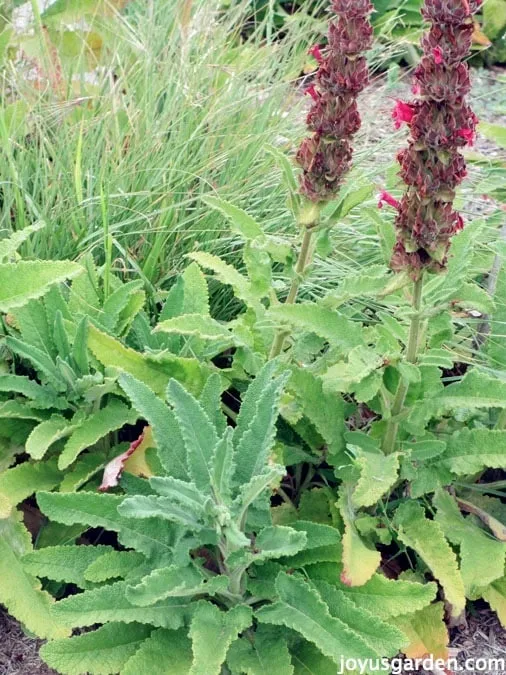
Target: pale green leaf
{"type": "Point", "coordinates": [359, 560]}
{"type": "Point", "coordinates": [29, 279]}
{"type": "Point", "coordinates": [212, 632]}
{"type": "Point", "coordinates": [426, 537]}
{"type": "Point", "coordinates": [227, 274]}
{"type": "Point", "coordinates": [63, 563]}
{"type": "Point", "coordinates": [113, 564]}
{"type": "Point", "coordinates": [302, 609]}
{"type": "Point", "coordinates": [110, 603]}
{"type": "Point", "coordinates": [198, 432]}
{"type": "Point", "coordinates": [470, 451]}
{"type": "Point", "coordinates": [101, 510]}
{"type": "Point", "coordinates": [163, 653]}
{"type": "Point", "coordinates": [21, 481]}
{"type": "Point", "coordinates": [265, 651]}
{"type": "Point", "coordinates": [46, 433]}
{"type": "Point", "coordinates": [19, 592]}
{"type": "Point", "coordinates": [100, 652]}
{"type": "Point", "coordinates": [241, 223]}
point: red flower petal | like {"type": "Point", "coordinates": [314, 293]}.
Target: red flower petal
{"type": "Point", "coordinates": [386, 198]}
{"type": "Point", "coordinates": [403, 112]}
{"type": "Point", "coordinates": [315, 52]}
{"type": "Point", "coordinates": [438, 55]}
{"type": "Point", "coordinates": [311, 91]}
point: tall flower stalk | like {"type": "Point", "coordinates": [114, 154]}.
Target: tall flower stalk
{"type": "Point", "coordinates": [325, 157]}
{"type": "Point", "coordinates": [432, 166]}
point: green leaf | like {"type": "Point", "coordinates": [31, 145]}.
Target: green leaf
{"type": "Point", "coordinates": [46, 433]}
{"type": "Point", "coordinates": [155, 371]}
{"type": "Point", "coordinates": [302, 609]}
{"type": "Point", "coordinates": [113, 564]}
{"type": "Point", "coordinates": [210, 400]}
{"type": "Point", "coordinates": [470, 451]}
{"type": "Point", "coordinates": [250, 491]}
{"type": "Point", "coordinates": [11, 244]}
{"type": "Point", "coordinates": [101, 423]}
{"type": "Point", "coordinates": [29, 388]}
{"type": "Point", "coordinates": [254, 445]}
{"type": "Point", "coordinates": [475, 391]}
{"type": "Point", "coordinates": [63, 563]}
{"type": "Point", "coordinates": [163, 653]}
{"type": "Point", "coordinates": [381, 596]}
{"type": "Point", "coordinates": [195, 293]}
{"type": "Point", "coordinates": [359, 560]}
{"type": "Point", "coordinates": [198, 325]}
{"type": "Point", "coordinates": [223, 466]}
{"type": "Point", "coordinates": [100, 652]}
{"type": "Point", "coordinates": [241, 223]}
{"type": "Point", "coordinates": [427, 632]}
{"type": "Point", "coordinates": [41, 360]}
{"type": "Point", "coordinates": [166, 582]}
{"type": "Point", "coordinates": [212, 632]}
{"type": "Point", "coordinates": [362, 364]}
{"type": "Point", "coordinates": [251, 399]}
{"type": "Point", "coordinates": [378, 474]}
{"type": "Point", "coordinates": [116, 303]}
{"type": "Point", "coordinates": [228, 275]}
{"type": "Point", "coordinates": [26, 280]}
{"type": "Point", "coordinates": [266, 650]}
{"type": "Point", "coordinates": [427, 538]}
{"type": "Point", "coordinates": [308, 660]}
{"type": "Point", "coordinates": [325, 410]}
{"type": "Point", "coordinates": [198, 432]}
{"type": "Point", "coordinates": [20, 592]}
{"type": "Point", "coordinates": [23, 480]}
{"type": "Point", "coordinates": [151, 537]}
{"type": "Point", "coordinates": [166, 433]}
{"type": "Point", "coordinates": [482, 558]}
{"type": "Point", "coordinates": [149, 506]}
{"type": "Point", "coordinates": [110, 603]}
{"type": "Point", "coordinates": [350, 200]}
{"type": "Point", "coordinates": [495, 595]}
{"type": "Point", "coordinates": [326, 323]}
{"type": "Point", "coordinates": [380, 635]}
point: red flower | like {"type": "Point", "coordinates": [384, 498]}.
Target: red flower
{"type": "Point", "coordinates": [311, 91]}
{"type": "Point", "coordinates": [403, 112]}
{"type": "Point", "coordinates": [466, 134]}
{"type": "Point", "coordinates": [438, 55]}
{"type": "Point", "coordinates": [386, 198]}
{"type": "Point", "coordinates": [315, 52]}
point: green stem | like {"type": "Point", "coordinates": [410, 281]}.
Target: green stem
{"type": "Point", "coordinates": [303, 262]}
{"type": "Point", "coordinates": [411, 357]}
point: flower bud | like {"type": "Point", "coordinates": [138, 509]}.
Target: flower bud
{"type": "Point", "coordinates": [334, 118]}
{"type": "Point", "coordinates": [440, 122]}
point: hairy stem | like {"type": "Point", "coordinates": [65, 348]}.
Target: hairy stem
{"type": "Point", "coordinates": [303, 262]}
{"type": "Point", "coordinates": [392, 430]}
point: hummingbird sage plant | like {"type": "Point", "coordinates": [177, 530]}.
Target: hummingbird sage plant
{"type": "Point", "coordinates": [432, 166]}
{"type": "Point", "coordinates": [325, 157]}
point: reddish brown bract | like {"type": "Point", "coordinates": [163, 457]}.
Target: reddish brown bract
{"type": "Point", "coordinates": [334, 118]}
{"type": "Point", "coordinates": [441, 123]}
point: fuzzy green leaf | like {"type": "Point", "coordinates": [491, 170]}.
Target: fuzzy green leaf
{"type": "Point", "coordinates": [168, 582]}
{"type": "Point", "coordinates": [163, 653]}
{"type": "Point", "coordinates": [212, 632]}
{"type": "Point", "coordinates": [302, 609]}
{"type": "Point", "coordinates": [328, 324]}
{"type": "Point", "coordinates": [47, 433]}
{"type": "Point", "coordinates": [482, 558]}
{"type": "Point", "coordinates": [378, 474]}
{"type": "Point", "coordinates": [228, 275]}
{"type": "Point", "coordinates": [255, 444]}
{"type": "Point", "coordinates": [266, 651]}
{"type": "Point", "coordinates": [23, 480]}
{"type": "Point", "coordinates": [29, 279]}
{"type": "Point", "coordinates": [359, 560]}
{"type": "Point", "coordinates": [100, 652]}
{"type": "Point", "coordinates": [20, 592]}
{"type": "Point", "coordinates": [426, 537]}
{"type": "Point", "coordinates": [473, 450]}
{"type": "Point", "coordinates": [169, 442]}
{"type": "Point", "coordinates": [153, 370]}
{"type": "Point", "coordinates": [223, 466]}
{"type": "Point", "coordinates": [110, 418]}
{"type": "Point", "coordinates": [113, 564]}
{"type": "Point", "coordinates": [199, 434]}
{"type": "Point", "coordinates": [475, 391]}
{"type": "Point", "coordinates": [101, 510]}
{"type": "Point", "coordinates": [110, 603]}
{"type": "Point", "coordinates": [63, 563]}
{"type": "Point", "coordinates": [241, 223]}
